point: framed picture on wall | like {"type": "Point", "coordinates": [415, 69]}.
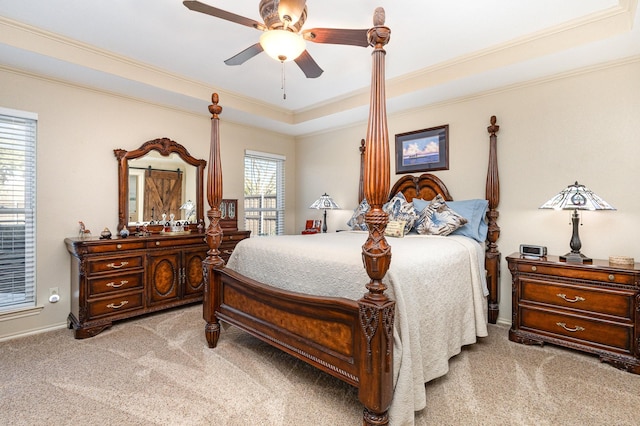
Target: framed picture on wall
{"type": "Point", "coordinates": [423, 150]}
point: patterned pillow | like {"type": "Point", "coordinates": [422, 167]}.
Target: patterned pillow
{"type": "Point", "coordinates": [357, 223]}
{"type": "Point", "coordinates": [438, 219]}
{"type": "Point", "coordinates": [399, 209]}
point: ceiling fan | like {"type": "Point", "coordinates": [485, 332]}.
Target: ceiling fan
{"type": "Point", "coordinates": [282, 30]}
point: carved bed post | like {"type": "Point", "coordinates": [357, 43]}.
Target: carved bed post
{"type": "Point", "coordinates": [492, 256]}
{"type": "Point", "coordinates": [213, 236]}
{"type": "Point", "coordinates": [376, 309]}
{"type": "Point", "coordinates": [361, 181]}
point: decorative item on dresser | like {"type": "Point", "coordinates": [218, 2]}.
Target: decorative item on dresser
{"type": "Point", "coordinates": [593, 307]}
{"type": "Point", "coordinates": [351, 338]}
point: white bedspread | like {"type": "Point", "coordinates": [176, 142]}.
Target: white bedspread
{"type": "Point", "coordinates": [437, 282]}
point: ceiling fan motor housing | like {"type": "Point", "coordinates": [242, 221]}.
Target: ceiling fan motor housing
{"type": "Point", "coordinates": [271, 18]}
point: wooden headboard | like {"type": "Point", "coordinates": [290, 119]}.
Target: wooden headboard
{"type": "Point", "coordinates": [427, 186]}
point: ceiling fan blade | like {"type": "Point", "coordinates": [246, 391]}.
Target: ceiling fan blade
{"type": "Point", "coordinates": [337, 36]}
{"type": "Point", "coordinates": [222, 14]}
{"type": "Point", "coordinates": [308, 66]}
{"type": "Point", "coordinates": [245, 55]}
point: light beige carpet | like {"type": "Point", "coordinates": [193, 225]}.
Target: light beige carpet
{"type": "Point", "coordinates": [157, 370]}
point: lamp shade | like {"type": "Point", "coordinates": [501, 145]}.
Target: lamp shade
{"type": "Point", "coordinates": [282, 45]}
{"type": "Point", "coordinates": [576, 197]}
{"type": "Point", "coordinates": [324, 202]}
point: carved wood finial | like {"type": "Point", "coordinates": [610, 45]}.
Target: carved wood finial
{"type": "Point", "coordinates": [379, 16]}
{"type": "Point", "coordinates": [215, 109]}
{"type": "Point", "coordinates": [493, 128]}
{"type": "Point", "coordinates": [379, 35]}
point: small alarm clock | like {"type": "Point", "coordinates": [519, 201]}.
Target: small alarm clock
{"type": "Point", "coordinates": [531, 251]}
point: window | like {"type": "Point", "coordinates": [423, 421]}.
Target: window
{"type": "Point", "coordinates": [17, 209]}
{"type": "Point", "coordinates": [263, 193]}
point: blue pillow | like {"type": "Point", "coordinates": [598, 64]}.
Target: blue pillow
{"type": "Point", "coordinates": [473, 210]}
{"type": "Point", "coordinates": [419, 204]}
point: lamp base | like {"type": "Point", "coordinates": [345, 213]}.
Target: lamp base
{"type": "Point", "coordinates": [572, 257]}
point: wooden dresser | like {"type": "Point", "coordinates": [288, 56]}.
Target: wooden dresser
{"type": "Point", "coordinates": [126, 277]}
{"type": "Point", "coordinates": [592, 307]}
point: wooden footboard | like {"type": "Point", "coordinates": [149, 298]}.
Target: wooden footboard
{"type": "Point", "coordinates": [324, 332]}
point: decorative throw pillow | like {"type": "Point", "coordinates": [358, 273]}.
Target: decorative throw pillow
{"type": "Point", "coordinates": [438, 219]}
{"type": "Point", "coordinates": [357, 223]}
{"type": "Point", "coordinates": [399, 209]}
{"type": "Point", "coordinates": [395, 228]}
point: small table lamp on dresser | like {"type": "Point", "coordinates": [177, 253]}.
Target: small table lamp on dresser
{"type": "Point", "coordinates": [576, 197]}
{"type": "Point", "coordinates": [324, 202]}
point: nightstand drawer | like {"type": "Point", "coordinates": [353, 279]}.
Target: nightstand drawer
{"type": "Point", "coordinates": [618, 303]}
{"type": "Point", "coordinates": [115, 305]}
{"type": "Point", "coordinates": [585, 272]}
{"type": "Point", "coordinates": [586, 331]}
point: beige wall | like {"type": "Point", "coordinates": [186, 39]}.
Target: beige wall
{"type": "Point", "coordinates": [581, 127]}
{"type": "Point", "coordinates": [78, 129]}
{"type": "Point", "coordinates": [584, 126]}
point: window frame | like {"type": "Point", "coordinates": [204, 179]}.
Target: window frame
{"type": "Point", "coordinates": [265, 214]}
{"type": "Point", "coordinates": [18, 139]}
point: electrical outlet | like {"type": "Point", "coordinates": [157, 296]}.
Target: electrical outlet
{"type": "Point", "coordinates": [54, 295]}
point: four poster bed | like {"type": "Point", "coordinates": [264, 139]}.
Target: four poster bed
{"type": "Point", "coordinates": [383, 341]}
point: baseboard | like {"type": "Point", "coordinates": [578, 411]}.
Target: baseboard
{"type": "Point", "coordinates": [6, 337]}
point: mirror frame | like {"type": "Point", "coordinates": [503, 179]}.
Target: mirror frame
{"type": "Point", "coordinates": [165, 147]}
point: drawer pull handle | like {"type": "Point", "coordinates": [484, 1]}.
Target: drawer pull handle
{"type": "Point", "coordinates": [114, 285]}
{"type": "Point", "coordinates": [118, 306]}
{"type": "Point", "coordinates": [119, 246]}
{"type": "Point", "coordinates": [228, 251]}
{"type": "Point", "coordinates": [114, 266]}
{"type": "Point", "coordinates": [563, 325]}
{"type": "Point", "coordinates": [612, 277]}
{"type": "Point", "coordinates": [574, 300]}
{"type": "Point", "coordinates": [534, 268]}
{"type": "Point", "coordinates": [157, 243]}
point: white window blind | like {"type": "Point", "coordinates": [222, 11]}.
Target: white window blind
{"type": "Point", "coordinates": [17, 209]}
{"type": "Point", "coordinates": [263, 193]}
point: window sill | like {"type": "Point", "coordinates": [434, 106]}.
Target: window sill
{"type": "Point", "coordinates": [20, 313]}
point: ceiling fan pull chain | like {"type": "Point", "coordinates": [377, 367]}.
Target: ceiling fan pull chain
{"type": "Point", "coordinates": [284, 91]}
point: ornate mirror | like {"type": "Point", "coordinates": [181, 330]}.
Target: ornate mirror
{"type": "Point", "coordinates": [160, 177]}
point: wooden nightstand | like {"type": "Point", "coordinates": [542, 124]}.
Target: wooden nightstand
{"type": "Point", "coordinates": [593, 307]}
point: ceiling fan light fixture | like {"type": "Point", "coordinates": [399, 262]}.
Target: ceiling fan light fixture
{"type": "Point", "coordinates": [282, 45]}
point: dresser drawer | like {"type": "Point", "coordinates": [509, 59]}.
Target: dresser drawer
{"type": "Point", "coordinates": [115, 305]}
{"type": "Point", "coordinates": [584, 330]}
{"type": "Point", "coordinates": [114, 264]}
{"type": "Point", "coordinates": [585, 272]}
{"type": "Point", "coordinates": [113, 283]}
{"type": "Point", "coordinates": [226, 249]}
{"type": "Point", "coordinates": [599, 300]}
{"type": "Point", "coordinates": [106, 246]}
{"type": "Point", "coordinates": [234, 236]}
{"type": "Point", "coordinates": [191, 239]}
